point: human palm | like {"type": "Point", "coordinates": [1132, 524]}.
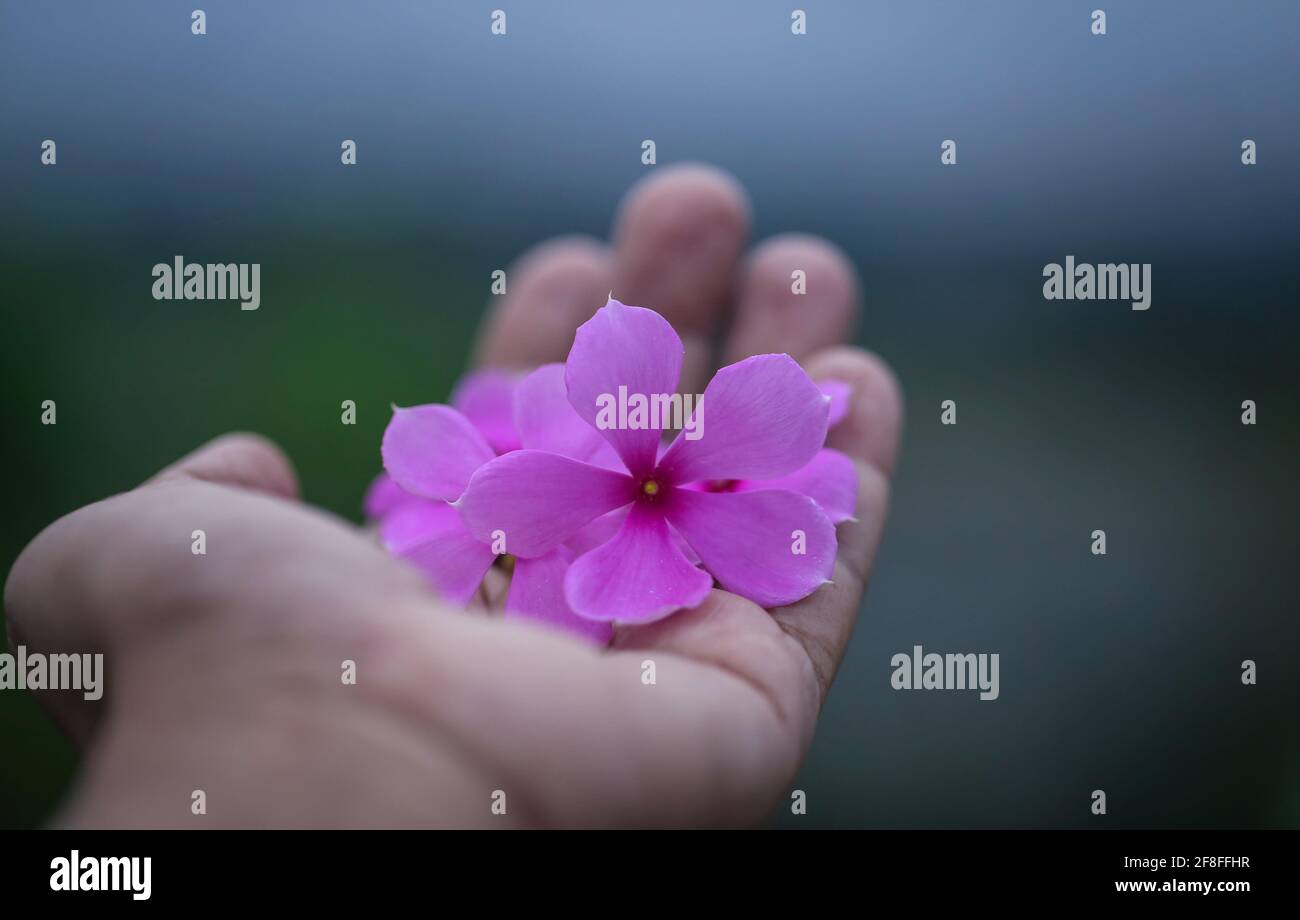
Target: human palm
{"type": "Point", "coordinates": [224, 669]}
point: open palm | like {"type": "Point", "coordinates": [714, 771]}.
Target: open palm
{"type": "Point", "coordinates": [224, 669]}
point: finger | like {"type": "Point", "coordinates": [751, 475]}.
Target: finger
{"type": "Point", "coordinates": [797, 294]}
{"type": "Point", "coordinates": [869, 433]}
{"type": "Point", "coordinates": [249, 461]}
{"type": "Point", "coordinates": [56, 586]}
{"type": "Point", "coordinates": [677, 239]}
{"type": "Point", "coordinates": [551, 290]}
{"type": "Point", "coordinates": [125, 575]}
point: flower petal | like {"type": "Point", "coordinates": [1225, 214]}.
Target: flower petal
{"type": "Point", "coordinates": [760, 418]}
{"type": "Point", "coordinates": [432, 451]}
{"type": "Point", "coordinates": [598, 532]}
{"type": "Point", "coordinates": [606, 527]}
{"type": "Point", "coordinates": [637, 577]}
{"type": "Point", "coordinates": [750, 541]}
{"type": "Point", "coordinates": [486, 398]}
{"type": "Point", "coordinates": [628, 347]}
{"type": "Point", "coordinates": [431, 536]}
{"type": "Point", "coordinates": [537, 500]}
{"type": "Point", "coordinates": [839, 393]}
{"type": "Point", "coordinates": [537, 594]}
{"type": "Point", "coordinates": [547, 421]}
{"type": "Point", "coordinates": [383, 496]}
{"type": "Point", "coordinates": [830, 479]}
{"type": "Point", "coordinates": [607, 457]}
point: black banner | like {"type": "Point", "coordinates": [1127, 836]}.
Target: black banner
{"type": "Point", "coordinates": [335, 869]}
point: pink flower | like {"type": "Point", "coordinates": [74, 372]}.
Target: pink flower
{"type": "Point", "coordinates": [486, 399]}
{"type": "Point", "coordinates": [829, 478]}
{"type": "Point", "coordinates": [766, 420]}
{"type": "Point", "coordinates": [431, 451]}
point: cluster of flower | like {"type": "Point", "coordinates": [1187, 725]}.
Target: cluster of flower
{"type": "Point", "coordinates": [611, 524]}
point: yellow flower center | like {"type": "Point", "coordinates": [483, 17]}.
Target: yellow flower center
{"type": "Point", "coordinates": [650, 487]}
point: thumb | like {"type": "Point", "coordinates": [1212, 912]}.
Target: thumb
{"type": "Point", "coordinates": [248, 461]}
{"type": "Point", "coordinates": [64, 591]}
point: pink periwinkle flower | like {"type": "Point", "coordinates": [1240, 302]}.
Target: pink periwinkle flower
{"type": "Point", "coordinates": [829, 478]}
{"type": "Point", "coordinates": [486, 399]}
{"type": "Point", "coordinates": [766, 420]}
{"type": "Point", "coordinates": [431, 451]}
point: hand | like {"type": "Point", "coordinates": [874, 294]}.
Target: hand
{"type": "Point", "coordinates": [224, 670]}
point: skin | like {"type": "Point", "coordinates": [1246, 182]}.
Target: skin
{"type": "Point", "coordinates": [224, 669]}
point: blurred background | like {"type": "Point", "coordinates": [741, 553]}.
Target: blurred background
{"type": "Point", "coordinates": [1119, 672]}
